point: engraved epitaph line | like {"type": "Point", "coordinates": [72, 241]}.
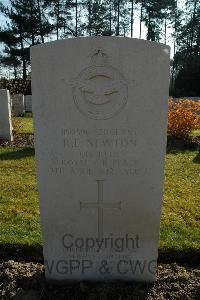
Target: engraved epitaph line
{"type": "Point", "coordinates": [100, 205]}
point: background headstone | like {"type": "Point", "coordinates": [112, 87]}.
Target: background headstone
{"type": "Point", "coordinates": [18, 104]}
{"type": "Point", "coordinates": [5, 116]}
{"type": "Point", "coordinates": [11, 105]}
{"type": "Point", "coordinates": [100, 114]}
{"type": "Point", "coordinates": [28, 103]}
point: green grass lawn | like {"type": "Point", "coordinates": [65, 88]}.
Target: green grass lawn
{"type": "Point", "coordinates": [196, 133]}
{"type": "Point", "coordinates": [180, 226]}
{"type": "Point", "coordinates": [24, 124]}
{"type": "Point", "coordinates": [19, 213]}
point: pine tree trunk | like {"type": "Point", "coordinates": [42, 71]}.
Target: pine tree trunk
{"type": "Point", "coordinates": [57, 19]}
{"type": "Point", "coordinates": [76, 34]}
{"type": "Point", "coordinates": [197, 48]}
{"type": "Point", "coordinates": [40, 18]}
{"type": "Point", "coordinates": [149, 27]}
{"type": "Point", "coordinates": [131, 18]}
{"type": "Point", "coordinates": [193, 22]}
{"type": "Point", "coordinates": [15, 71]}
{"type": "Point", "coordinates": [89, 17]}
{"type": "Point", "coordinates": [141, 12]}
{"type": "Point", "coordinates": [32, 32]}
{"type": "Point", "coordinates": [175, 27]}
{"type": "Point", "coordinates": [110, 20]}
{"type": "Point", "coordinates": [118, 11]}
{"type": "Point", "coordinates": [23, 57]}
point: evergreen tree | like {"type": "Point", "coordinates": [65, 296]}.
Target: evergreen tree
{"type": "Point", "coordinates": [27, 26]}
{"type": "Point", "coordinates": [97, 18]}
{"type": "Point", "coordinates": [60, 12]}
{"type": "Point", "coordinates": [121, 19]}
{"type": "Point", "coordinates": [153, 12]}
{"type": "Point", "coordinates": [186, 62]}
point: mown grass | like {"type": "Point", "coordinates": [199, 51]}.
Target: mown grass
{"type": "Point", "coordinates": [195, 133]}
{"type": "Point", "coordinates": [180, 226]}
{"type": "Point", "coordinates": [19, 213]}
{"type": "Point", "coordinates": [23, 124]}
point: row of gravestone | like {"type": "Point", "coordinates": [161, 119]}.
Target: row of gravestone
{"type": "Point", "coordinates": [5, 116]}
{"type": "Point", "coordinates": [19, 104]}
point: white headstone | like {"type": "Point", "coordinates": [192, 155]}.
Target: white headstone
{"type": "Point", "coordinates": [5, 116]}
{"type": "Point", "coordinates": [18, 104]}
{"type": "Point", "coordinates": [28, 103]}
{"type": "Point", "coordinates": [100, 110]}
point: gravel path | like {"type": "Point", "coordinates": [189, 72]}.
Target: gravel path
{"type": "Point", "coordinates": [25, 280]}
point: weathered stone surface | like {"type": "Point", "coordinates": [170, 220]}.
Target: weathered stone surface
{"type": "Point", "coordinates": [18, 104]}
{"type": "Point", "coordinates": [5, 116]}
{"type": "Point", "coordinates": [100, 110]}
{"type": "Point", "coordinates": [28, 103]}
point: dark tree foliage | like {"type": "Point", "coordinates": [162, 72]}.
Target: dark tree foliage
{"type": "Point", "coordinates": [186, 63]}
{"type": "Point", "coordinates": [60, 12]}
{"type": "Point", "coordinates": [187, 82]}
{"type": "Point", "coordinates": [153, 14]}
{"type": "Point", "coordinates": [97, 18]}
{"type": "Point", "coordinates": [27, 26]}
{"type": "Point", "coordinates": [37, 21]}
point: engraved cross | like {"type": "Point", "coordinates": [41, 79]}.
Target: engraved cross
{"type": "Point", "coordinates": [100, 205]}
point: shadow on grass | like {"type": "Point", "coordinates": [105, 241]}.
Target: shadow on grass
{"type": "Point", "coordinates": [81, 290]}
{"type": "Point", "coordinates": [178, 145]}
{"type": "Point", "coordinates": [17, 154]}
{"type": "Point", "coordinates": [21, 252]}
{"type": "Point", "coordinates": [196, 160]}
{"type": "Point", "coordinates": [177, 150]}
{"type": "Point", "coordinates": [189, 257]}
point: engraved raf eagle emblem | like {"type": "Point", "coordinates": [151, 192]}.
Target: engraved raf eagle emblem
{"type": "Point", "coordinates": [100, 91]}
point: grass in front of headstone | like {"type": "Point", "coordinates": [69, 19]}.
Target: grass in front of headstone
{"type": "Point", "coordinates": [19, 213]}
{"type": "Point", "coordinates": [181, 207]}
